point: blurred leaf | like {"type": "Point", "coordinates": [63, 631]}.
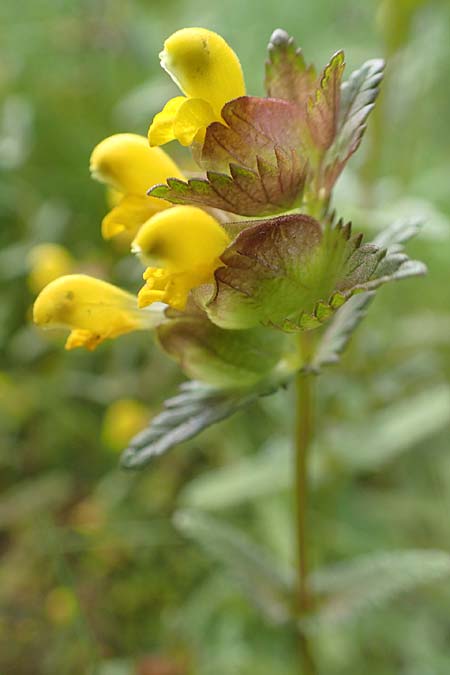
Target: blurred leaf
{"type": "Point", "coordinates": [349, 589]}
{"type": "Point", "coordinates": [16, 119]}
{"type": "Point", "coordinates": [397, 234]}
{"type": "Point", "coordinates": [195, 408]}
{"type": "Point", "coordinates": [266, 585]}
{"type": "Point", "coordinates": [114, 667]}
{"type": "Point", "coordinates": [390, 432]}
{"type": "Point", "coordinates": [270, 188]}
{"type": "Point", "coordinates": [249, 478]}
{"type": "Point", "coordinates": [30, 496]}
{"type": "Point", "coordinates": [339, 331]}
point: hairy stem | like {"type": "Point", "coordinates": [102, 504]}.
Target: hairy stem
{"type": "Point", "coordinates": [303, 436]}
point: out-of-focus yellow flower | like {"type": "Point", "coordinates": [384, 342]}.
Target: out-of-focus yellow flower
{"type": "Point", "coordinates": [208, 72]}
{"type": "Point", "coordinates": [93, 309]}
{"type": "Point", "coordinates": [47, 263]}
{"type": "Point", "coordinates": [127, 164]}
{"type": "Point", "coordinates": [124, 419]}
{"type": "Point", "coordinates": [183, 244]}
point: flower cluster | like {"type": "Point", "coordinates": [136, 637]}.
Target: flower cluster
{"type": "Point", "coordinates": [240, 259]}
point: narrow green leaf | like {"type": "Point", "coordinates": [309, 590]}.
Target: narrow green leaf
{"type": "Point", "coordinates": [390, 432]}
{"type": "Point", "coordinates": [265, 473]}
{"type": "Point", "coordinates": [350, 589]}
{"type": "Point", "coordinates": [196, 407]}
{"type": "Point", "coordinates": [357, 99]}
{"type": "Point", "coordinates": [265, 583]}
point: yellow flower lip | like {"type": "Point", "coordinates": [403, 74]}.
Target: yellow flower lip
{"type": "Point", "coordinates": [183, 245]}
{"type": "Point", "coordinates": [203, 65]}
{"type": "Point", "coordinates": [209, 74]}
{"type": "Point", "coordinates": [129, 166]}
{"type": "Point", "coordinates": [94, 310]}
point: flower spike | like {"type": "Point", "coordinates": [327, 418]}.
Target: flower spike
{"type": "Point", "coordinates": [184, 244]}
{"type": "Point", "coordinates": [127, 164]}
{"type": "Point", "coordinates": [93, 309]}
{"type": "Point", "coordinates": [209, 74]}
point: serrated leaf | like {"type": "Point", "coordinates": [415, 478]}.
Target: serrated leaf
{"type": "Point", "coordinates": [350, 589]}
{"type": "Point", "coordinates": [265, 584]}
{"type": "Point", "coordinates": [264, 272]}
{"type": "Point", "coordinates": [270, 188]}
{"type": "Point", "coordinates": [357, 99]}
{"type": "Point", "coordinates": [338, 333]}
{"type": "Point", "coordinates": [254, 128]}
{"type": "Point", "coordinates": [287, 75]}
{"type": "Point", "coordinates": [195, 408]}
{"type": "Point", "coordinates": [287, 273]}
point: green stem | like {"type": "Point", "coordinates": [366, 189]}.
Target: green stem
{"type": "Point", "coordinates": [303, 436]}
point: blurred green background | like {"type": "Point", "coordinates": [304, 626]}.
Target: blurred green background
{"type": "Point", "coordinates": [95, 577]}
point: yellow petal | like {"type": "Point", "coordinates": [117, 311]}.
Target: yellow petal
{"type": "Point", "coordinates": [183, 245]}
{"type": "Point", "coordinates": [130, 213]}
{"type": "Point", "coordinates": [192, 117]}
{"type": "Point", "coordinates": [161, 129]}
{"type": "Point", "coordinates": [113, 197]}
{"type": "Point", "coordinates": [93, 309]}
{"type": "Point", "coordinates": [48, 262]}
{"type": "Point", "coordinates": [204, 66]}
{"type": "Point", "coordinates": [126, 163]}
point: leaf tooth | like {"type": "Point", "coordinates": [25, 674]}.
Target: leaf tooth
{"type": "Point", "coordinates": [347, 231]}
{"type": "Point", "coordinates": [159, 190]}
{"type": "Point", "coordinates": [175, 183]}
{"type": "Point", "coordinates": [357, 240]}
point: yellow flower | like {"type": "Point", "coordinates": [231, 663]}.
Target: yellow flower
{"type": "Point", "coordinates": [124, 419]}
{"type": "Point", "coordinates": [127, 164]}
{"type": "Point", "coordinates": [184, 244]}
{"type": "Point", "coordinates": [93, 309]}
{"type": "Point", "coordinates": [48, 262]}
{"type": "Point", "coordinates": [208, 72]}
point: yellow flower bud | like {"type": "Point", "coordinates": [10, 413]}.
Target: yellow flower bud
{"type": "Point", "coordinates": [127, 164]}
{"type": "Point", "coordinates": [47, 263]}
{"type": "Point", "coordinates": [208, 72]}
{"type": "Point", "coordinates": [93, 309]}
{"type": "Point", "coordinates": [183, 245]}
